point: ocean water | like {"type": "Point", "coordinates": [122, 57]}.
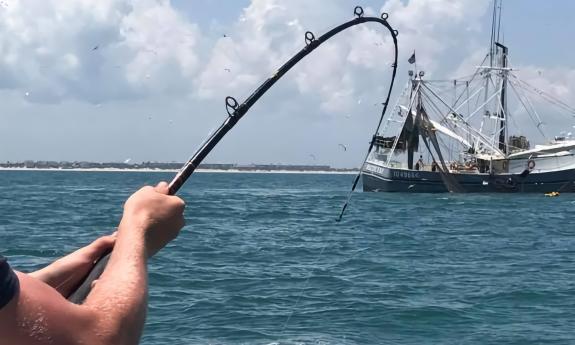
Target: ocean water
{"type": "Point", "coordinates": [262, 260]}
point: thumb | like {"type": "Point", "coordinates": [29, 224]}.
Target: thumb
{"type": "Point", "coordinates": [162, 188]}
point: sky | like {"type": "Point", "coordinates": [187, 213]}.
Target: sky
{"type": "Point", "coordinates": [145, 80]}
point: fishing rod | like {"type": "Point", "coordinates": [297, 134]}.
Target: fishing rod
{"type": "Point", "coordinates": [236, 111]}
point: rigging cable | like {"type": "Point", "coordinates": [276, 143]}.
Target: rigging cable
{"type": "Point", "coordinates": [521, 98]}
{"type": "Point", "coordinates": [236, 111]}
{"type": "Point", "coordinates": [549, 98]}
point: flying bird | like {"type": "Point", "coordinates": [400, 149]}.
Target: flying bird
{"type": "Point", "coordinates": [95, 47]}
{"type": "Point", "coordinates": [312, 156]}
{"type": "Point", "coordinates": [227, 70]}
{"type": "Point", "coordinates": [343, 146]}
{"type": "Point", "coordinates": [149, 50]}
{"type": "Point", "coordinates": [127, 160]}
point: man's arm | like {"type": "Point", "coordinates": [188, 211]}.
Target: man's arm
{"type": "Point", "coordinates": [66, 273]}
{"type": "Point", "coordinates": [115, 310]}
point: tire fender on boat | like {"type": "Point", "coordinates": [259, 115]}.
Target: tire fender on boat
{"type": "Point", "coordinates": [531, 164]}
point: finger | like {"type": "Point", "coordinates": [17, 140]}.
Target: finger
{"type": "Point", "coordinates": [101, 245]}
{"type": "Point", "coordinates": [162, 188]}
{"type": "Point", "coordinates": [106, 241]}
{"type": "Point", "coordinates": [180, 204]}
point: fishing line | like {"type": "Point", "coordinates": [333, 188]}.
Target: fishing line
{"type": "Point", "coordinates": [236, 111]}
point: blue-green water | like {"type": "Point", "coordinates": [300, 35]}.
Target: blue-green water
{"type": "Point", "coordinates": [400, 269]}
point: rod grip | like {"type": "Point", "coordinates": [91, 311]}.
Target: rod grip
{"type": "Point", "coordinates": [81, 292]}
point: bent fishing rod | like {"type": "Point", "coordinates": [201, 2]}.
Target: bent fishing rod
{"type": "Point", "coordinates": [236, 111]}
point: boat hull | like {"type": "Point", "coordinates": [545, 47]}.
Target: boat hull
{"type": "Point", "coordinates": [377, 178]}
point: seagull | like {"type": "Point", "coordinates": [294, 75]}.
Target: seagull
{"type": "Point", "coordinates": [343, 146]}
{"type": "Point", "coordinates": [313, 156]}
{"type": "Point", "coordinates": [127, 160]}
{"type": "Point", "coordinates": [227, 70]}
{"type": "Point", "coordinates": [150, 51]}
{"type": "Point", "coordinates": [95, 47]}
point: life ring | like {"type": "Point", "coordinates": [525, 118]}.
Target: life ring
{"type": "Point", "coordinates": [531, 164]}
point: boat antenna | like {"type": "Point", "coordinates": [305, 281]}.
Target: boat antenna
{"type": "Point", "coordinates": [495, 29]}
{"type": "Point", "coordinates": [236, 111]}
{"type": "Point", "coordinates": [492, 37]}
{"type": "Point", "coordinates": [499, 20]}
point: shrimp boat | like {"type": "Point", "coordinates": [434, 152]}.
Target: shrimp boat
{"type": "Point", "coordinates": [471, 134]}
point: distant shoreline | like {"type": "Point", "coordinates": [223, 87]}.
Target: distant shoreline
{"type": "Point", "coordinates": [199, 170]}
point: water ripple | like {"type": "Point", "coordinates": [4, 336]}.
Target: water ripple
{"type": "Point", "coordinates": [399, 269]}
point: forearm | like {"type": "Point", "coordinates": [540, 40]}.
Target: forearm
{"type": "Point", "coordinates": [120, 294]}
{"type": "Point", "coordinates": [66, 273]}
{"type": "Point", "coordinates": [62, 276]}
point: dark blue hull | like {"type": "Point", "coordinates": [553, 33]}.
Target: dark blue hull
{"type": "Point", "coordinates": [381, 179]}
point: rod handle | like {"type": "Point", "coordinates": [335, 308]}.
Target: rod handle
{"type": "Point", "coordinates": [81, 292]}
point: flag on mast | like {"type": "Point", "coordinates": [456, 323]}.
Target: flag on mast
{"type": "Point", "coordinates": [412, 58]}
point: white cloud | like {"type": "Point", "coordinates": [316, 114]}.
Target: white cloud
{"type": "Point", "coordinates": [161, 42]}
{"type": "Point", "coordinates": [432, 27]}
{"type": "Point", "coordinates": [94, 51]}
{"type": "Point", "coordinates": [121, 48]}
{"type": "Point", "coordinates": [350, 67]}
{"type": "Point", "coordinates": [147, 56]}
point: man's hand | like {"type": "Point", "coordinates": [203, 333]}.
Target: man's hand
{"type": "Point", "coordinates": [154, 214]}
{"type": "Point", "coordinates": [65, 274]}
{"type": "Point", "coordinates": [115, 310]}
